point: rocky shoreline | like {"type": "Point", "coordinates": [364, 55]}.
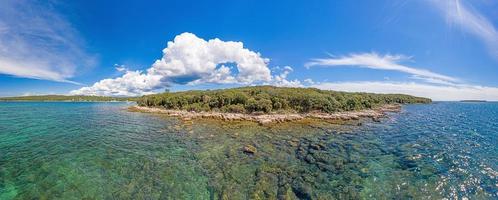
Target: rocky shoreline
{"type": "Point", "coordinates": [374, 114]}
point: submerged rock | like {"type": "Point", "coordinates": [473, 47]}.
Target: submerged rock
{"type": "Point", "coordinates": [249, 149]}
{"type": "Point", "coordinates": [293, 143]}
{"type": "Point", "coordinates": [302, 191]}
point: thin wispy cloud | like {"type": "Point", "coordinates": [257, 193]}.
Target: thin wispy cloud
{"type": "Point", "coordinates": [424, 82]}
{"type": "Point", "coordinates": [36, 42]}
{"type": "Point", "coordinates": [435, 92]}
{"type": "Point", "coordinates": [381, 62]}
{"type": "Point", "coordinates": [470, 20]}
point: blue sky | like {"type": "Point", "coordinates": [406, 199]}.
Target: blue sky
{"type": "Point", "coordinates": [445, 50]}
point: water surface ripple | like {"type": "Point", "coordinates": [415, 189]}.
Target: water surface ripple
{"type": "Point", "coordinates": [62, 150]}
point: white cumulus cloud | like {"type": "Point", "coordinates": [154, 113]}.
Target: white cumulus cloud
{"type": "Point", "coordinates": [281, 79]}
{"type": "Point", "coordinates": [132, 83]}
{"type": "Point", "coordinates": [189, 59]}
{"type": "Point", "coordinates": [309, 81]}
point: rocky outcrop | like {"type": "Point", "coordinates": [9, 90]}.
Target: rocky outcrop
{"type": "Point", "coordinates": [263, 119]}
{"type": "Point", "coordinates": [249, 149]}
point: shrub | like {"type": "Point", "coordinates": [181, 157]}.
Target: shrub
{"type": "Point", "coordinates": [270, 99]}
{"type": "Point", "coordinates": [237, 108]}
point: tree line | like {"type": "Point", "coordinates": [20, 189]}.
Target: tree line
{"type": "Point", "coordinates": [270, 99]}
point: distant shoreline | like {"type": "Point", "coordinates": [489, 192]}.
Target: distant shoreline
{"type": "Point", "coordinates": [473, 101]}
{"type": "Point", "coordinates": [263, 119]}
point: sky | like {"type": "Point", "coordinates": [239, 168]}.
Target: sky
{"type": "Point", "coordinates": [444, 50]}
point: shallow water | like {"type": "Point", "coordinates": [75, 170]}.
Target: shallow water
{"type": "Point", "coordinates": [102, 151]}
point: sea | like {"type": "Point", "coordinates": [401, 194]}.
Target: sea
{"type": "Point", "coordinates": [85, 150]}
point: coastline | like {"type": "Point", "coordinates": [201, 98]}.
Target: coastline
{"type": "Point", "coordinates": [263, 119]}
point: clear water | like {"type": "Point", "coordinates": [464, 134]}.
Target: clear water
{"type": "Point", "coordinates": [102, 151]}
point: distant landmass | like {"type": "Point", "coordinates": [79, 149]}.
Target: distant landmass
{"type": "Point", "coordinates": [470, 101]}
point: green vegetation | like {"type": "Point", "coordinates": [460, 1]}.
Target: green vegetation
{"type": "Point", "coordinates": [66, 98]}
{"type": "Point", "coordinates": [273, 99]}
{"type": "Point", "coordinates": [262, 99]}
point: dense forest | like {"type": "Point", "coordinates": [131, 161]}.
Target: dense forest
{"type": "Point", "coordinates": [268, 99]}
{"type": "Point", "coordinates": [66, 98]}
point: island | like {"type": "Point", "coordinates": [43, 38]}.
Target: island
{"type": "Point", "coordinates": [268, 104]}
{"type": "Point", "coordinates": [261, 104]}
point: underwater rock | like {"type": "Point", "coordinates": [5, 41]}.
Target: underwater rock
{"type": "Point", "coordinates": [265, 186]}
{"type": "Point", "coordinates": [293, 143]}
{"type": "Point", "coordinates": [288, 195]}
{"type": "Point", "coordinates": [301, 190]}
{"type": "Point", "coordinates": [315, 146]}
{"type": "Point", "coordinates": [309, 159]}
{"type": "Point", "coordinates": [249, 149]}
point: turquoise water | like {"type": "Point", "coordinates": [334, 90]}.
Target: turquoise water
{"type": "Point", "coordinates": [68, 150]}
